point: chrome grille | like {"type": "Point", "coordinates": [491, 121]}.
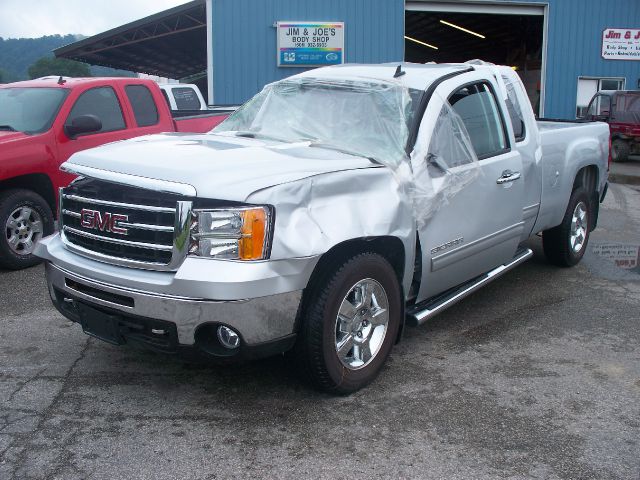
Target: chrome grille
{"type": "Point", "coordinates": [125, 225]}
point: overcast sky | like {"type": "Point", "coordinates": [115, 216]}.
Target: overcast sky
{"type": "Point", "coordinates": [35, 18]}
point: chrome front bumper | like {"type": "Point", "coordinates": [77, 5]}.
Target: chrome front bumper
{"type": "Point", "coordinates": [258, 320]}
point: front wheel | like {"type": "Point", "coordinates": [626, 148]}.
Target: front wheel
{"type": "Point", "coordinates": [25, 217]}
{"type": "Point", "coordinates": [566, 244]}
{"type": "Point", "coordinates": [349, 323]}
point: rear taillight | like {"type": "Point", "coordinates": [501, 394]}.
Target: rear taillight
{"type": "Point", "coordinates": [609, 160]}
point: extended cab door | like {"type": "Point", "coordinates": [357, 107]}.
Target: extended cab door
{"type": "Point", "coordinates": [478, 220]}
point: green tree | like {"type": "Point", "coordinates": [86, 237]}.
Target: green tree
{"type": "Point", "coordinates": [58, 66]}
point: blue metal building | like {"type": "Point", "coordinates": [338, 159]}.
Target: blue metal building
{"type": "Point", "coordinates": [242, 46]}
{"type": "Point", "coordinates": [564, 50]}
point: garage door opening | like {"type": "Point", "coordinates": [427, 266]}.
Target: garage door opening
{"type": "Point", "coordinates": [504, 39]}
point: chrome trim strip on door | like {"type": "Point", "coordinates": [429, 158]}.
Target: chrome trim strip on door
{"type": "Point", "coordinates": [530, 211]}
{"type": "Point", "coordinates": [452, 256]}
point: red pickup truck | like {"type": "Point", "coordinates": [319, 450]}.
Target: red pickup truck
{"type": "Point", "coordinates": [44, 121]}
{"type": "Point", "coordinates": [621, 110]}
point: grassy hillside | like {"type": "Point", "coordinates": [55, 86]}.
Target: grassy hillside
{"type": "Point", "coordinates": [17, 54]}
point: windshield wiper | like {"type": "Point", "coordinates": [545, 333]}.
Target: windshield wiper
{"type": "Point", "coordinates": [249, 134]}
{"type": "Point", "coordinates": [330, 146]}
{"type": "Point", "coordinates": [7, 128]}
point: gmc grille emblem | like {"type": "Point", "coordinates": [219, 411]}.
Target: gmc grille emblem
{"type": "Point", "coordinates": [103, 221]}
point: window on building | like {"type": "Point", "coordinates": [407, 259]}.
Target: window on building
{"type": "Point", "coordinates": [144, 107]}
{"type": "Point", "coordinates": [477, 106]}
{"type": "Point", "coordinates": [103, 103]}
{"type": "Point", "coordinates": [589, 86]}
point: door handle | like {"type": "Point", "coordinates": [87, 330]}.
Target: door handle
{"type": "Point", "coordinates": [508, 176]}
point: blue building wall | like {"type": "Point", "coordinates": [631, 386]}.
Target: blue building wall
{"type": "Point", "coordinates": [575, 45]}
{"type": "Point", "coordinates": [244, 41]}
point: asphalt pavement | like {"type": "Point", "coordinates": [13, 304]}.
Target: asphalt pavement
{"type": "Point", "coordinates": [535, 376]}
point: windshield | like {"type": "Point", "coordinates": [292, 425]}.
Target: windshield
{"type": "Point", "coordinates": [627, 109]}
{"type": "Point", "coordinates": [368, 118]}
{"type": "Point", "coordinates": [29, 110]}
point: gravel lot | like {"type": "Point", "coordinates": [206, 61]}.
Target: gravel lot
{"type": "Point", "coordinates": [536, 376]}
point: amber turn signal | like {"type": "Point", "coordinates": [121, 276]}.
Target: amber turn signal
{"type": "Point", "coordinates": [252, 243]}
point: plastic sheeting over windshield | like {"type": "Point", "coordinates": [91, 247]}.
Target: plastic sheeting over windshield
{"type": "Point", "coordinates": [366, 118]}
{"type": "Point", "coordinates": [370, 118]}
{"type": "Point", "coordinates": [444, 166]}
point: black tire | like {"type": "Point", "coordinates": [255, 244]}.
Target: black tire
{"type": "Point", "coordinates": [315, 350]}
{"type": "Point", "coordinates": [557, 242]}
{"type": "Point", "coordinates": [619, 150]}
{"type": "Point", "coordinates": [10, 201]}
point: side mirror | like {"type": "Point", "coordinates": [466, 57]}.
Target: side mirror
{"type": "Point", "coordinates": [83, 124]}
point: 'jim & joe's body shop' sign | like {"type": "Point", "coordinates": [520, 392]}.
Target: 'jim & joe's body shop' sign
{"type": "Point", "coordinates": [310, 44]}
{"type": "Point", "coordinates": [621, 44]}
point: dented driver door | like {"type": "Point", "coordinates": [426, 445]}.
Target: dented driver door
{"type": "Point", "coordinates": [476, 219]}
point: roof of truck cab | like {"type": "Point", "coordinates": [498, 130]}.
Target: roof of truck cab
{"type": "Point", "coordinates": [618, 92]}
{"type": "Point", "coordinates": [417, 75]}
{"type": "Point", "coordinates": [52, 82]}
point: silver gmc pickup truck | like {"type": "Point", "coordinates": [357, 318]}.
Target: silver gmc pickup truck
{"type": "Point", "coordinates": [328, 212]}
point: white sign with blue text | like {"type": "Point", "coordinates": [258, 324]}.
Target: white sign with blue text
{"type": "Point", "coordinates": [310, 44]}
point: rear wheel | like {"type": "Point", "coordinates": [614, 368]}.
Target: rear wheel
{"type": "Point", "coordinates": [349, 324]}
{"type": "Point", "coordinates": [25, 217]}
{"type": "Point", "coordinates": [619, 150]}
{"type": "Point", "coordinates": [566, 244]}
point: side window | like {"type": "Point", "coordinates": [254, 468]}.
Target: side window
{"type": "Point", "coordinates": [593, 106]}
{"type": "Point", "coordinates": [103, 103]}
{"type": "Point", "coordinates": [186, 98]}
{"type": "Point", "coordinates": [144, 108]}
{"type": "Point", "coordinates": [605, 105]}
{"type": "Point", "coordinates": [476, 105]}
{"type": "Point", "coordinates": [514, 110]}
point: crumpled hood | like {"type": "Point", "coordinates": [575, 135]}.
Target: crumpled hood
{"type": "Point", "coordinates": [218, 166]}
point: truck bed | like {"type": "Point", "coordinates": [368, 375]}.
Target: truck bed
{"type": "Point", "coordinates": [564, 145]}
{"type": "Point", "coordinates": [202, 122]}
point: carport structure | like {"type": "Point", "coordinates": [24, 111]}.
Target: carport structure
{"type": "Point", "coordinates": [172, 43]}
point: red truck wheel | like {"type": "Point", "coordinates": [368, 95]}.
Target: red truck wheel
{"type": "Point", "coordinates": [619, 150]}
{"type": "Point", "coordinates": [25, 217]}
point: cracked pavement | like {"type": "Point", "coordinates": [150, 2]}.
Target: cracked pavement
{"type": "Point", "coordinates": [535, 376]}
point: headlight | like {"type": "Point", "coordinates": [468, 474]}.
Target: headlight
{"type": "Point", "coordinates": [231, 233]}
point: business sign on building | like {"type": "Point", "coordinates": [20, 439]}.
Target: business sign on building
{"type": "Point", "coordinates": [621, 44]}
{"type": "Point", "coordinates": [310, 44]}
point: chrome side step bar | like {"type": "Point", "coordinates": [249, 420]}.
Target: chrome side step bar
{"type": "Point", "coordinates": [420, 313]}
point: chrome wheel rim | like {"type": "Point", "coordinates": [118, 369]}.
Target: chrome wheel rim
{"type": "Point", "coordinates": [23, 229]}
{"type": "Point", "coordinates": [361, 324]}
{"type": "Point", "coordinates": [578, 227]}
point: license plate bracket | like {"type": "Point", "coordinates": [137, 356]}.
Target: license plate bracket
{"type": "Point", "coordinates": [100, 325]}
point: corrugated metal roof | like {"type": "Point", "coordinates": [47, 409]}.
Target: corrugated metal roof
{"type": "Point", "coordinates": [172, 43]}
